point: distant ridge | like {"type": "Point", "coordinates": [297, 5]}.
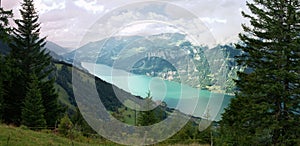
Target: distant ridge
{"type": "Point", "coordinates": [156, 55]}
{"type": "Point", "coordinates": [56, 48]}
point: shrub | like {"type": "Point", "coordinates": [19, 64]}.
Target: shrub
{"type": "Point", "coordinates": [65, 126]}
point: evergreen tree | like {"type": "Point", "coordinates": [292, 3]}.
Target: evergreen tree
{"type": "Point", "coordinates": [80, 123]}
{"type": "Point", "coordinates": [266, 109]}
{"type": "Point", "coordinates": [4, 25]}
{"type": "Point", "coordinates": [4, 78]}
{"type": "Point", "coordinates": [11, 105]}
{"type": "Point", "coordinates": [4, 39]}
{"type": "Point", "coordinates": [30, 54]}
{"type": "Point", "coordinates": [1, 90]}
{"type": "Point", "coordinates": [50, 101]}
{"type": "Point", "coordinates": [148, 117]}
{"type": "Point", "coordinates": [33, 109]}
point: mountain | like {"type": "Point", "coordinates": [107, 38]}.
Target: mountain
{"type": "Point", "coordinates": [223, 57]}
{"type": "Point", "coordinates": [169, 56]}
{"type": "Point", "coordinates": [56, 48]}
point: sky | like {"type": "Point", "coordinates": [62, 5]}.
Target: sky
{"type": "Point", "coordinates": [72, 23]}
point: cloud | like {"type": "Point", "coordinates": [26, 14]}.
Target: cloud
{"type": "Point", "coordinates": [135, 29]}
{"type": "Point", "coordinates": [91, 6]}
{"type": "Point", "coordinates": [9, 4]}
{"type": "Point", "coordinates": [132, 21]}
{"type": "Point", "coordinates": [213, 20]}
{"type": "Point", "coordinates": [67, 21]}
{"type": "Point", "coordinates": [44, 6]}
{"type": "Point", "coordinates": [146, 28]}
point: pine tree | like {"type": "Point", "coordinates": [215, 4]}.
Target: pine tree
{"type": "Point", "coordinates": [4, 25]}
{"type": "Point", "coordinates": [266, 109]}
{"type": "Point", "coordinates": [33, 109]}
{"type": "Point", "coordinates": [5, 31]}
{"type": "Point", "coordinates": [4, 76]}
{"type": "Point", "coordinates": [50, 100]}
{"type": "Point", "coordinates": [1, 91]}
{"type": "Point", "coordinates": [30, 54]}
{"type": "Point", "coordinates": [148, 117]}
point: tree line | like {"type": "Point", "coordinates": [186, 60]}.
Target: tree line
{"type": "Point", "coordinates": [266, 109]}
{"type": "Point", "coordinates": [27, 93]}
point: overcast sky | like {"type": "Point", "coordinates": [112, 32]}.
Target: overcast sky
{"type": "Point", "coordinates": [67, 22]}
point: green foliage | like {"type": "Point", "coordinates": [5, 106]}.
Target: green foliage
{"type": "Point", "coordinates": [64, 79]}
{"type": "Point", "coordinates": [5, 29]}
{"type": "Point", "coordinates": [4, 38]}
{"type": "Point", "coordinates": [65, 126]}
{"type": "Point", "coordinates": [186, 134]}
{"type": "Point", "coordinates": [20, 136]}
{"type": "Point", "coordinates": [53, 109]}
{"type": "Point", "coordinates": [1, 99]}
{"type": "Point", "coordinates": [190, 134]}
{"type": "Point", "coordinates": [12, 104]}
{"type": "Point", "coordinates": [1, 87]}
{"type": "Point", "coordinates": [33, 109]}
{"type": "Point", "coordinates": [80, 124]}
{"type": "Point", "coordinates": [266, 108]}
{"type": "Point", "coordinates": [148, 117]}
{"type": "Point", "coordinates": [28, 56]}
{"type": "Point", "coordinates": [23, 127]}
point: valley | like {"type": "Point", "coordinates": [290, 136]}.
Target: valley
{"type": "Point", "coordinates": [167, 56]}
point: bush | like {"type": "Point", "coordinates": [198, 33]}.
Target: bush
{"type": "Point", "coordinates": [23, 127]}
{"type": "Point", "coordinates": [65, 126]}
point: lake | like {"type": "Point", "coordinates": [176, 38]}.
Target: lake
{"type": "Point", "coordinates": [192, 101]}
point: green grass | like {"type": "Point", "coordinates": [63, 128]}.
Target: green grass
{"type": "Point", "coordinates": [129, 117]}
{"type": "Point", "coordinates": [63, 96]}
{"type": "Point", "coordinates": [58, 66]}
{"type": "Point", "coordinates": [15, 136]}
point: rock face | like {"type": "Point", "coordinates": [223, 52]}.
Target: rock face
{"type": "Point", "coordinates": [169, 56]}
{"type": "Point", "coordinates": [224, 67]}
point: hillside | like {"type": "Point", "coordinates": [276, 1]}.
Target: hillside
{"type": "Point", "coordinates": [108, 95]}
{"type": "Point", "coordinates": [18, 136]}
{"type": "Point", "coordinates": [56, 48]}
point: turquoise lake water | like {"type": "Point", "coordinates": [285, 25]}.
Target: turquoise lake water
{"type": "Point", "coordinates": [192, 101]}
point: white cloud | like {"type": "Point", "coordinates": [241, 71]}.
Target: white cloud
{"type": "Point", "coordinates": [213, 20]}
{"type": "Point", "coordinates": [134, 29]}
{"type": "Point", "coordinates": [146, 28]}
{"type": "Point", "coordinates": [44, 6]}
{"type": "Point", "coordinates": [221, 18]}
{"type": "Point", "coordinates": [91, 6]}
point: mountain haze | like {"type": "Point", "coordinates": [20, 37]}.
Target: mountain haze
{"type": "Point", "coordinates": [169, 56]}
